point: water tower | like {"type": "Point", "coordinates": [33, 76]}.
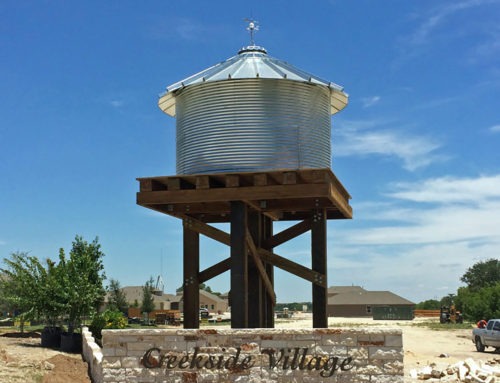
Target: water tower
{"type": "Point", "coordinates": [253, 144]}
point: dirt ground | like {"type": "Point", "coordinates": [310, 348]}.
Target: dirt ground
{"type": "Point", "coordinates": [421, 345]}
{"type": "Point", "coordinates": [22, 360]}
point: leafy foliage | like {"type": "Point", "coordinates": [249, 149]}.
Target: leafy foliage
{"type": "Point", "coordinates": [117, 299]}
{"type": "Point", "coordinates": [148, 304]}
{"type": "Point", "coordinates": [71, 288]}
{"type": "Point", "coordinates": [482, 274]}
{"type": "Point", "coordinates": [430, 304]}
{"type": "Point", "coordinates": [109, 319]}
{"type": "Point", "coordinates": [448, 300]}
{"type": "Point", "coordinates": [483, 303]}
{"type": "Point", "coordinates": [202, 287]}
{"type": "Point", "coordinates": [32, 288]}
{"type": "Point", "coordinates": [83, 277]}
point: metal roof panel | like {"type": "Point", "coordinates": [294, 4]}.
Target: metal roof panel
{"type": "Point", "coordinates": [252, 62]}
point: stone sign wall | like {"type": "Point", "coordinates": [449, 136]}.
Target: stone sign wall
{"type": "Point", "coordinates": [253, 355]}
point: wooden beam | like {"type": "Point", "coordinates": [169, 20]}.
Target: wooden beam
{"type": "Point", "coordinates": [255, 205]}
{"type": "Point", "coordinates": [267, 304]}
{"type": "Point", "coordinates": [202, 182]}
{"type": "Point", "coordinates": [289, 178]}
{"type": "Point", "coordinates": [203, 228]}
{"type": "Point", "coordinates": [256, 286]}
{"type": "Point", "coordinates": [173, 183]}
{"type": "Point", "coordinates": [318, 263]}
{"type": "Point", "coordinates": [239, 266]}
{"type": "Point", "coordinates": [262, 271]}
{"type": "Point", "coordinates": [213, 271]}
{"type": "Point", "coordinates": [232, 180]}
{"type": "Point", "coordinates": [339, 201]}
{"type": "Point", "coordinates": [292, 267]}
{"type": "Point", "coordinates": [149, 185]}
{"type": "Point", "coordinates": [260, 179]}
{"type": "Point", "coordinates": [288, 234]}
{"type": "Point", "coordinates": [269, 192]}
{"type": "Point", "coordinates": [191, 285]}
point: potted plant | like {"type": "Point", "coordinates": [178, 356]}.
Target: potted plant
{"type": "Point", "coordinates": [82, 288]}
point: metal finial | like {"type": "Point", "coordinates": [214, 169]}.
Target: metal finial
{"type": "Point", "coordinates": [252, 27]}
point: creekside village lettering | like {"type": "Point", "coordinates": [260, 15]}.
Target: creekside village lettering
{"type": "Point", "coordinates": [296, 358]}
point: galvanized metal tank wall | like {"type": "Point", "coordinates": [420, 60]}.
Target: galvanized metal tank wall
{"type": "Point", "coordinates": [251, 125]}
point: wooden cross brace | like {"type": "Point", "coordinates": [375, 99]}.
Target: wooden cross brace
{"type": "Point", "coordinates": [259, 254]}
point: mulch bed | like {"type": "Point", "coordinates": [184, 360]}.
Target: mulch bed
{"type": "Point", "coordinates": [30, 334]}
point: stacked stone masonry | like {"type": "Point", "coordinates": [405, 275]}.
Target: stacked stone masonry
{"type": "Point", "coordinates": [92, 354]}
{"type": "Point", "coordinates": [253, 355]}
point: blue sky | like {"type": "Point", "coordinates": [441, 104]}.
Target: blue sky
{"type": "Point", "coordinates": [417, 146]}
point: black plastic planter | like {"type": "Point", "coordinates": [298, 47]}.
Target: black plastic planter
{"type": "Point", "coordinates": [51, 337]}
{"type": "Point", "coordinates": [71, 342]}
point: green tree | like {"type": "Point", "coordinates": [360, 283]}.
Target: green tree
{"type": "Point", "coordinates": [32, 288]}
{"type": "Point", "coordinates": [448, 300]}
{"type": "Point", "coordinates": [202, 287]}
{"type": "Point", "coordinates": [148, 303]}
{"type": "Point", "coordinates": [83, 280]}
{"type": "Point", "coordinates": [117, 299]}
{"type": "Point", "coordinates": [482, 274]}
{"type": "Point", "coordinates": [18, 287]}
{"type": "Point", "coordinates": [481, 304]}
{"type": "Point", "coordinates": [136, 303]}
{"type": "Point", "coordinates": [430, 304]}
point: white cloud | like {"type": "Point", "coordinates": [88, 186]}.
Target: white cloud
{"type": "Point", "coordinates": [495, 128]}
{"type": "Point", "coordinates": [416, 272]}
{"type": "Point", "coordinates": [466, 209]}
{"type": "Point", "coordinates": [489, 46]}
{"type": "Point", "coordinates": [438, 15]}
{"type": "Point", "coordinates": [451, 189]}
{"type": "Point", "coordinates": [370, 101]}
{"type": "Point", "coordinates": [116, 103]}
{"type": "Point", "coordinates": [414, 151]}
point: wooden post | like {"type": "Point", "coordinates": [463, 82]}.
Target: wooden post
{"type": "Point", "coordinates": [191, 293]}
{"type": "Point", "coordinates": [239, 264]}
{"type": "Point", "coordinates": [318, 252]}
{"type": "Point", "coordinates": [255, 288]}
{"type": "Point", "coordinates": [267, 303]}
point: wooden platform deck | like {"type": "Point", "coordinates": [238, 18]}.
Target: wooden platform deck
{"type": "Point", "coordinates": [282, 195]}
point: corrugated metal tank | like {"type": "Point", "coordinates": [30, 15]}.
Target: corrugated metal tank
{"type": "Point", "coordinates": [252, 113]}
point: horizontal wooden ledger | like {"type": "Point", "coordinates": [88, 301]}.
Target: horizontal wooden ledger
{"type": "Point", "coordinates": [251, 202]}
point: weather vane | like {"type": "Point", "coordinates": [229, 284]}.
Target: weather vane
{"type": "Point", "coordinates": [252, 27]}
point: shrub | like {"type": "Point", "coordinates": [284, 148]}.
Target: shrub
{"type": "Point", "coordinates": [109, 319]}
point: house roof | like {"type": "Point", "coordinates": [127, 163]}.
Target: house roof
{"type": "Point", "coordinates": [344, 289]}
{"type": "Point", "coordinates": [212, 296]}
{"type": "Point", "coordinates": [135, 292]}
{"type": "Point", "coordinates": [206, 294]}
{"type": "Point", "coordinates": [368, 298]}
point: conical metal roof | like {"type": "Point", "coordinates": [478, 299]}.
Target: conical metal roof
{"type": "Point", "coordinates": [252, 62]}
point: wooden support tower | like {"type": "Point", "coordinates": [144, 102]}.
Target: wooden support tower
{"type": "Point", "coordinates": [250, 202]}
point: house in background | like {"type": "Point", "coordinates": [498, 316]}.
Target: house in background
{"type": "Point", "coordinates": [213, 303]}
{"type": "Point", "coordinates": [354, 301]}
{"type": "Point", "coordinates": [163, 301]}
